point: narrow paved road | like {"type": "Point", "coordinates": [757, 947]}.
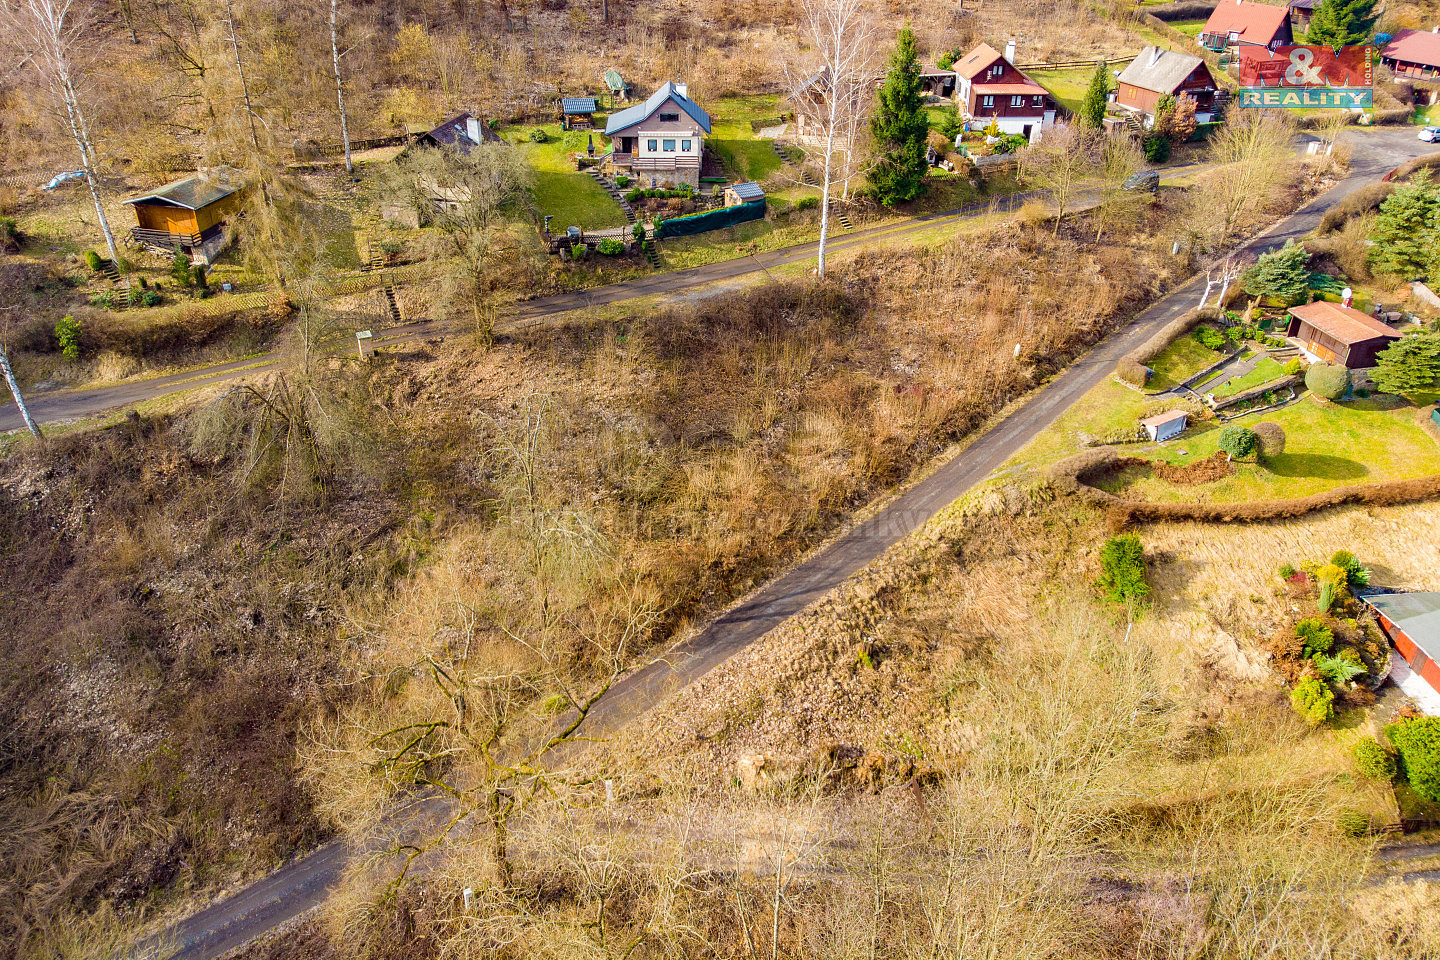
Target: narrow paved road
{"type": "Point", "coordinates": [304, 884]}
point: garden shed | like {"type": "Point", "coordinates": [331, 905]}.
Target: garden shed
{"type": "Point", "coordinates": [188, 213]}
{"type": "Point", "coordinates": [578, 113]}
{"type": "Point", "coordinates": [1411, 622]}
{"type": "Point", "coordinates": [748, 192]}
{"type": "Point", "coordinates": [1165, 426]}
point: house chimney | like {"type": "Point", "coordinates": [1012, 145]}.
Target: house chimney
{"type": "Point", "coordinates": [681, 88]}
{"type": "Point", "coordinates": [472, 129]}
{"type": "Point", "coordinates": [1155, 53]}
{"type": "Point", "coordinates": [1010, 52]}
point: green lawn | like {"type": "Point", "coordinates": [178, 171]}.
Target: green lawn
{"type": "Point", "coordinates": [1326, 445]}
{"type": "Point", "coordinates": [561, 191]}
{"type": "Point", "coordinates": [1181, 360]}
{"type": "Point", "coordinates": [1068, 86]}
{"type": "Point", "coordinates": [1191, 28]}
{"type": "Point", "coordinates": [1265, 371]}
{"type": "Point", "coordinates": [732, 138]}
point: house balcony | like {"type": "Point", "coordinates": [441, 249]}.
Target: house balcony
{"type": "Point", "coordinates": [164, 241]}
{"type": "Point", "coordinates": [629, 161]}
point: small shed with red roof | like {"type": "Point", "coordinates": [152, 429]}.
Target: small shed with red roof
{"type": "Point", "coordinates": [1245, 23]}
{"type": "Point", "coordinates": [1330, 333]}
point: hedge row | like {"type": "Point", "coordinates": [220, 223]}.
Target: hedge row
{"type": "Point", "coordinates": [1071, 475]}
{"type": "Point", "coordinates": [1184, 10]}
{"type": "Point", "coordinates": [1132, 365]}
{"type": "Point", "coordinates": [1409, 167]}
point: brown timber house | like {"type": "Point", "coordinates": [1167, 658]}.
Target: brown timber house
{"type": "Point", "coordinates": [1330, 333]}
{"type": "Point", "coordinates": [188, 213]}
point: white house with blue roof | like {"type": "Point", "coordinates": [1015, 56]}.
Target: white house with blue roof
{"type": "Point", "coordinates": [661, 140]}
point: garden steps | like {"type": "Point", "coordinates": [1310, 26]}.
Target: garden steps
{"type": "Point", "coordinates": [392, 300]}
{"type": "Point", "coordinates": [840, 215]}
{"type": "Point", "coordinates": [615, 194]}
{"type": "Point", "coordinates": [651, 256]}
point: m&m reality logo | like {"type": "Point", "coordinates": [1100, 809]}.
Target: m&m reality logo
{"type": "Point", "coordinates": [1308, 76]}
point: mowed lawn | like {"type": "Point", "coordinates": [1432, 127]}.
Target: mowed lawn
{"type": "Point", "coordinates": [1326, 446]}
{"type": "Point", "coordinates": [1180, 361]}
{"type": "Point", "coordinates": [1265, 371]}
{"type": "Point", "coordinates": [1191, 28]}
{"type": "Point", "coordinates": [572, 198]}
{"type": "Point", "coordinates": [1068, 86]}
{"type": "Point", "coordinates": [733, 139]}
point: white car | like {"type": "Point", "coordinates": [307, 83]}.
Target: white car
{"type": "Point", "coordinates": [1429, 135]}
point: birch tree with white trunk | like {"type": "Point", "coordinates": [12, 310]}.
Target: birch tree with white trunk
{"type": "Point", "coordinates": [49, 36]}
{"type": "Point", "coordinates": [833, 95]}
{"type": "Point", "coordinates": [340, 83]}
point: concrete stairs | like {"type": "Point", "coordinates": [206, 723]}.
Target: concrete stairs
{"type": "Point", "coordinates": [841, 217]}
{"type": "Point", "coordinates": [651, 257]}
{"type": "Point", "coordinates": [615, 194]}
{"type": "Point", "coordinates": [392, 300]}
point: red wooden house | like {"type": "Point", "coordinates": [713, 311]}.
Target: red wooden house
{"type": "Point", "coordinates": [1245, 24]}
{"type": "Point", "coordinates": [1414, 54]}
{"type": "Point", "coordinates": [1411, 621]}
{"type": "Point", "coordinates": [1157, 72]}
{"type": "Point", "coordinates": [990, 87]}
{"type": "Point", "coordinates": [1330, 333]}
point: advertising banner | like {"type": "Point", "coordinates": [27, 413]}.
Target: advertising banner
{"type": "Point", "coordinates": [1308, 76]}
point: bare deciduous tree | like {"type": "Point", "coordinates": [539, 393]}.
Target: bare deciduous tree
{"type": "Point", "coordinates": [1256, 163]}
{"type": "Point", "coordinates": [335, 55]}
{"type": "Point", "coordinates": [836, 97]}
{"type": "Point", "coordinates": [1063, 162]}
{"type": "Point", "coordinates": [49, 35]}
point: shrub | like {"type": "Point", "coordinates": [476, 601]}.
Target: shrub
{"type": "Point", "coordinates": [807, 203]}
{"type": "Point", "coordinates": [1235, 334]}
{"type": "Point", "coordinates": [1270, 439]}
{"type": "Point", "coordinates": [635, 196]}
{"type": "Point", "coordinates": [1287, 570]}
{"type": "Point", "coordinates": [1156, 148]}
{"type": "Point", "coordinates": [1356, 574]}
{"type": "Point", "coordinates": [1314, 701]}
{"type": "Point", "coordinates": [180, 269]}
{"type": "Point", "coordinates": [1209, 337]}
{"type": "Point", "coordinates": [9, 232]}
{"type": "Point", "coordinates": [1327, 380]}
{"type": "Point", "coordinates": [538, 136]}
{"type": "Point", "coordinates": [67, 334]}
{"type": "Point", "coordinates": [105, 301]}
{"type": "Point", "coordinates": [610, 247]}
{"type": "Point", "coordinates": [149, 298]}
{"type": "Point", "coordinates": [1317, 636]}
{"type": "Point", "coordinates": [578, 250]}
{"type": "Point", "coordinates": [1132, 371]}
{"type": "Point", "coordinates": [1292, 366]}
{"type": "Point", "coordinates": [621, 180]}
{"type": "Point", "coordinates": [638, 231]}
{"type": "Point", "coordinates": [1238, 441]}
{"type": "Point", "coordinates": [1122, 569]}
{"type": "Point", "coordinates": [1336, 669]}
{"type": "Point", "coordinates": [1418, 742]}
{"type": "Point", "coordinates": [1353, 823]}
{"type": "Point", "coordinates": [93, 260]}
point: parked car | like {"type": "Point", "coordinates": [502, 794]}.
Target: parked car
{"type": "Point", "coordinates": [1429, 134]}
{"type": "Point", "coordinates": [1147, 180]}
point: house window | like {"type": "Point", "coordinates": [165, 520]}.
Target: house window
{"type": "Point", "coordinates": [1017, 101]}
{"type": "Point", "coordinates": [652, 145]}
{"type": "Point", "coordinates": [669, 146]}
{"type": "Point", "coordinates": [1039, 100]}
{"type": "Point", "coordinates": [987, 101]}
{"type": "Point", "coordinates": [669, 118]}
{"type": "Point", "coordinates": [684, 146]}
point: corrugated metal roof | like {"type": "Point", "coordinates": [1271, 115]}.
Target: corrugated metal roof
{"type": "Point", "coordinates": [1418, 614]}
{"type": "Point", "coordinates": [1159, 70]}
{"type": "Point", "coordinates": [194, 192]}
{"type": "Point", "coordinates": [749, 190]}
{"type": "Point", "coordinates": [1160, 419]}
{"type": "Point", "coordinates": [573, 105]}
{"type": "Point", "coordinates": [630, 116]}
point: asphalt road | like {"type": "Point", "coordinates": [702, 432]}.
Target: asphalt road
{"type": "Point", "coordinates": [304, 884]}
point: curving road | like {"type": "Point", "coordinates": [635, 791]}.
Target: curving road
{"type": "Point", "coordinates": [304, 884]}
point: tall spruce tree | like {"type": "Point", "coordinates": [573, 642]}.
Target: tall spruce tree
{"type": "Point", "coordinates": [1092, 108]}
{"type": "Point", "coordinates": [1408, 366]}
{"type": "Point", "coordinates": [1407, 229]}
{"type": "Point", "coordinates": [1282, 274]}
{"type": "Point", "coordinates": [900, 127]}
{"type": "Point", "coordinates": [1343, 23]}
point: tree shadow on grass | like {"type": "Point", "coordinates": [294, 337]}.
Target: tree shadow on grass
{"type": "Point", "coordinates": [1320, 465]}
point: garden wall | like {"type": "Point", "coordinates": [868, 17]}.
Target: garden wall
{"type": "Point", "coordinates": [691, 224]}
{"type": "Point", "coordinates": [1071, 476]}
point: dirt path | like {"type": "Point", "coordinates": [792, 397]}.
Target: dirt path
{"type": "Point", "coordinates": [304, 884]}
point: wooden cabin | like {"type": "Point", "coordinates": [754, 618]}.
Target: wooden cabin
{"type": "Point", "coordinates": [1330, 333]}
{"type": "Point", "coordinates": [188, 213]}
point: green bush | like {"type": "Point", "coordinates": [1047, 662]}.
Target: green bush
{"type": "Point", "coordinates": [149, 298]}
{"type": "Point", "coordinates": [67, 334]}
{"type": "Point", "coordinates": [621, 180]}
{"type": "Point", "coordinates": [9, 233]}
{"type": "Point", "coordinates": [1156, 148]}
{"type": "Point", "coordinates": [1353, 823]}
{"type": "Point", "coordinates": [105, 301]}
{"type": "Point", "coordinates": [638, 231]}
{"type": "Point", "coordinates": [1314, 701]}
{"type": "Point", "coordinates": [1327, 380]}
{"type": "Point", "coordinates": [807, 203]}
{"type": "Point", "coordinates": [1238, 441]}
{"type": "Point", "coordinates": [180, 270]}
{"type": "Point", "coordinates": [1356, 574]}
{"type": "Point", "coordinates": [538, 136]}
{"type": "Point", "coordinates": [610, 248]}
{"type": "Point", "coordinates": [1122, 569]}
{"type": "Point", "coordinates": [1336, 669]}
{"type": "Point", "coordinates": [1287, 570]}
{"type": "Point", "coordinates": [1292, 366]}
{"type": "Point", "coordinates": [1208, 337]}
{"type": "Point", "coordinates": [1418, 742]}
{"type": "Point", "coordinates": [1316, 634]}
{"type": "Point", "coordinates": [93, 260]}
